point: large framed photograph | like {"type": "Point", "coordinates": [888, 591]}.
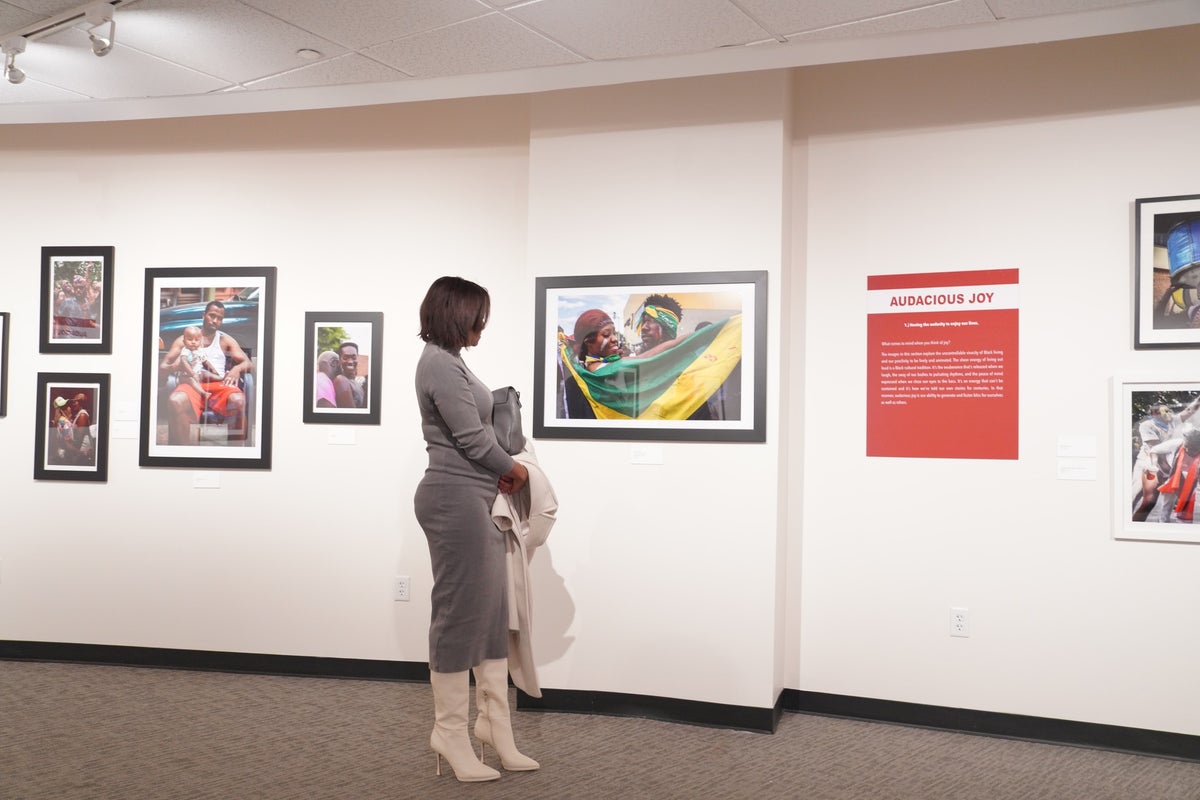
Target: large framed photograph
{"type": "Point", "coordinates": [71, 442]}
{"type": "Point", "coordinates": [76, 301]}
{"type": "Point", "coordinates": [4, 317]}
{"type": "Point", "coordinates": [667, 357]}
{"type": "Point", "coordinates": [1167, 272]}
{"type": "Point", "coordinates": [1157, 460]}
{"type": "Point", "coordinates": [207, 366]}
{"type": "Point", "coordinates": [343, 374]}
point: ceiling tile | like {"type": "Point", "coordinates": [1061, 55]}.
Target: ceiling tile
{"type": "Point", "coordinates": [223, 38]}
{"type": "Point", "coordinates": [632, 28]}
{"type": "Point", "coordinates": [350, 68]}
{"type": "Point", "coordinates": [488, 44]}
{"type": "Point", "coordinates": [47, 8]}
{"type": "Point", "coordinates": [34, 91]}
{"type": "Point", "coordinates": [66, 60]}
{"type": "Point", "coordinates": [362, 23]}
{"type": "Point", "coordinates": [13, 19]}
{"type": "Point", "coordinates": [943, 15]}
{"type": "Point", "coordinates": [786, 17]}
{"type": "Point", "coordinates": [1011, 9]}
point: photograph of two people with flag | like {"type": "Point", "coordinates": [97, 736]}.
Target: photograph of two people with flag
{"type": "Point", "coordinates": [647, 354]}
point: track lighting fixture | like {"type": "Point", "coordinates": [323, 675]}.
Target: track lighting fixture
{"type": "Point", "coordinates": [98, 16]}
{"type": "Point", "coordinates": [11, 49]}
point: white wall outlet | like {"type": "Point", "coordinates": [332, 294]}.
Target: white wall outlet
{"type": "Point", "coordinates": [400, 588]}
{"type": "Point", "coordinates": [959, 622]}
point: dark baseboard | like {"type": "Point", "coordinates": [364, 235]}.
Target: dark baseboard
{"type": "Point", "coordinates": [667, 709]}
{"type": "Point", "coordinates": [991, 723]}
{"type": "Point", "coordinates": [257, 663]}
{"type": "Point", "coordinates": [691, 712]}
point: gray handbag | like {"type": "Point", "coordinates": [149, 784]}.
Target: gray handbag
{"type": "Point", "coordinates": [506, 419]}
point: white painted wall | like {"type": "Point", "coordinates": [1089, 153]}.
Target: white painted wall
{"type": "Point", "coordinates": [671, 568]}
{"type": "Point", "coordinates": [359, 210]}
{"type": "Point", "coordinates": [1028, 158]}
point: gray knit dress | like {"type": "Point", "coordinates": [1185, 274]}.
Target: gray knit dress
{"type": "Point", "coordinates": [469, 621]}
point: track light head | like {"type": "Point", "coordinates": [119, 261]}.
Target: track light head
{"type": "Point", "coordinates": [100, 46]}
{"type": "Point", "coordinates": [11, 48]}
{"type": "Point", "coordinates": [98, 15]}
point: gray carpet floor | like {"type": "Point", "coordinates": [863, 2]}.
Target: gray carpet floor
{"type": "Point", "coordinates": [98, 732]}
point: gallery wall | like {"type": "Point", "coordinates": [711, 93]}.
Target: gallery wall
{"type": "Point", "coordinates": [1027, 158]}
{"type": "Point", "coordinates": [726, 572]}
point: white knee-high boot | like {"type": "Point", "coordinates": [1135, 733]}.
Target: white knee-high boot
{"type": "Point", "coordinates": [493, 725]}
{"type": "Point", "coordinates": [451, 697]}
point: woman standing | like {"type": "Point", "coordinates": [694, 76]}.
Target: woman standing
{"type": "Point", "coordinates": [469, 621]}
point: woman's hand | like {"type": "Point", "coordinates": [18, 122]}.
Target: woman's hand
{"type": "Point", "coordinates": [515, 479]}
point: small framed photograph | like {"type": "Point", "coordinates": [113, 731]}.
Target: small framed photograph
{"type": "Point", "coordinates": [1156, 460]}
{"type": "Point", "coordinates": [207, 367]}
{"type": "Point", "coordinates": [1167, 272]}
{"type": "Point", "coordinates": [76, 302]}
{"type": "Point", "coordinates": [71, 442]}
{"type": "Point", "coordinates": [343, 375]}
{"type": "Point", "coordinates": [4, 317]}
{"type": "Point", "coordinates": [669, 357]}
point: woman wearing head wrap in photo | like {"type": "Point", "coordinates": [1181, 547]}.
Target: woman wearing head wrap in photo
{"type": "Point", "coordinates": [597, 342]}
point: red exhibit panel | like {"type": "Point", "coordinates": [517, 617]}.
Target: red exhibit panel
{"type": "Point", "coordinates": [942, 365]}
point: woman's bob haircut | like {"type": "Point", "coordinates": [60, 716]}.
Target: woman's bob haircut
{"type": "Point", "coordinates": [452, 310]}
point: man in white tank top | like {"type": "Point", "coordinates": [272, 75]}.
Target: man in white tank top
{"type": "Point", "coordinates": [185, 405]}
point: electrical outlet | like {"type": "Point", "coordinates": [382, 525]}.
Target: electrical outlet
{"type": "Point", "coordinates": [959, 622]}
{"type": "Point", "coordinates": [400, 588]}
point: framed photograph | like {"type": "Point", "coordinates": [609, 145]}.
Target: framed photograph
{"type": "Point", "coordinates": [1156, 460]}
{"type": "Point", "coordinates": [666, 357]}
{"type": "Point", "coordinates": [4, 317]}
{"type": "Point", "coordinates": [71, 442]}
{"type": "Point", "coordinates": [76, 303]}
{"type": "Point", "coordinates": [207, 366]}
{"type": "Point", "coordinates": [343, 358]}
{"type": "Point", "coordinates": [1167, 272]}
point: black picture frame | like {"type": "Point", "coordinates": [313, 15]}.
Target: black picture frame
{"type": "Point", "coordinates": [1166, 272]}
{"type": "Point", "coordinates": [356, 401]}
{"type": "Point", "coordinates": [5, 319]}
{"type": "Point", "coordinates": [76, 308]}
{"type": "Point", "coordinates": [231, 428]}
{"type": "Point", "coordinates": [68, 447]}
{"type": "Point", "coordinates": [680, 396]}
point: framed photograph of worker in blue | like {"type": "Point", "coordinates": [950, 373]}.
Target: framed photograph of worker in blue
{"type": "Point", "coordinates": [651, 357]}
{"type": "Point", "coordinates": [71, 439]}
{"type": "Point", "coordinates": [4, 318]}
{"type": "Point", "coordinates": [207, 367]}
{"type": "Point", "coordinates": [1167, 272]}
{"type": "Point", "coordinates": [343, 375]}
{"type": "Point", "coordinates": [76, 300]}
{"type": "Point", "coordinates": [1156, 478]}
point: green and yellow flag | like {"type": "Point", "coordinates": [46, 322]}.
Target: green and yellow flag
{"type": "Point", "coordinates": [670, 385]}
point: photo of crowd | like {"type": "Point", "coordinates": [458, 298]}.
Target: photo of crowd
{"type": "Point", "coordinates": [77, 302]}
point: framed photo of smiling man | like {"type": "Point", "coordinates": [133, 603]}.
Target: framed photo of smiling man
{"type": "Point", "coordinates": [207, 367]}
